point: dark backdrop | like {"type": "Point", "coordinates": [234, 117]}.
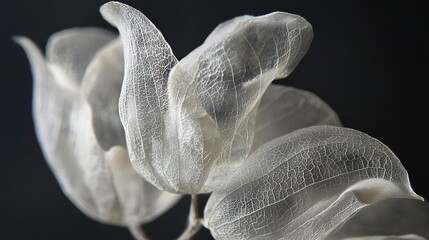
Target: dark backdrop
{"type": "Point", "coordinates": [368, 60]}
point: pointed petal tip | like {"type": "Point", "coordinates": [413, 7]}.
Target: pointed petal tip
{"type": "Point", "coordinates": [108, 5]}
{"type": "Point", "coordinates": [414, 195]}
{"type": "Point", "coordinates": [35, 56]}
{"type": "Point", "coordinates": [18, 39]}
{"type": "Point", "coordinates": [286, 17]}
{"type": "Point", "coordinates": [110, 10]}
{"type": "Point", "coordinates": [23, 42]}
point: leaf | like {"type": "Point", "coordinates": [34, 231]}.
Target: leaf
{"type": "Point", "coordinates": [401, 237]}
{"type": "Point", "coordinates": [391, 217]}
{"type": "Point", "coordinates": [286, 109]}
{"type": "Point", "coordinates": [215, 91]}
{"type": "Point", "coordinates": [90, 176]}
{"type": "Point", "coordinates": [101, 87]}
{"type": "Point", "coordinates": [71, 50]}
{"type": "Point", "coordinates": [143, 101]}
{"type": "Point", "coordinates": [304, 184]}
{"type": "Point", "coordinates": [140, 201]}
{"type": "Point", "coordinates": [179, 131]}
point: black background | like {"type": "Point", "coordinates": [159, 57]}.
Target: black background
{"type": "Point", "coordinates": [368, 60]}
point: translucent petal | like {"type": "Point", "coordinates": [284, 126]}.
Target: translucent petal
{"type": "Point", "coordinates": [391, 217]}
{"type": "Point", "coordinates": [138, 199]}
{"type": "Point", "coordinates": [203, 128]}
{"type": "Point", "coordinates": [101, 87]}
{"type": "Point", "coordinates": [91, 177]}
{"type": "Point", "coordinates": [143, 100]}
{"type": "Point", "coordinates": [215, 90]}
{"type": "Point", "coordinates": [378, 237]}
{"type": "Point", "coordinates": [52, 103]}
{"type": "Point", "coordinates": [71, 50]}
{"type": "Point", "coordinates": [286, 109]}
{"type": "Point", "coordinates": [303, 185]}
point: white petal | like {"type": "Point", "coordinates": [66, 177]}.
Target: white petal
{"type": "Point", "coordinates": [101, 87]}
{"type": "Point", "coordinates": [207, 119]}
{"type": "Point", "coordinates": [303, 185]}
{"type": "Point", "coordinates": [52, 104]}
{"type": "Point", "coordinates": [215, 90]}
{"type": "Point", "coordinates": [71, 50]}
{"type": "Point", "coordinates": [85, 171]}
{"type": "Point", "coordinates": [286, 109]}
{"type": "Point", "coordinates": [143, 101]}
{"type": "Point", "coordinates": [91, 159]}
{"type": "Point", "coordinates": [378, 237]}
{"type": "Point", "coordinates": [391, 217]}
{"type": "Point", "coordinates": [138, 199]}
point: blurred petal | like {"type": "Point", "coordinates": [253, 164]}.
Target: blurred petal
{"type": "Point", "coordinates": [138, 198]}
{"type": "Point", "coordinates": [391, 217]}
{"type": "Point", "coordinates": [215, 90]}
{"type": "Point", "coordinates": [286, 109]}
{"type": "Point", "coordinates": [91, 159]}
{"type": "Point", "coordinates": [143, 101]}
{"type": "Point", "coordinates": [101, 87]}
{"type": "Point", "coordinates": [85, 171]}
{"type": "Point", "coordinates": [402, 237]}
{"type": "Point", "coordinates": [71, 50]}
{"type": "Point", "coordinates": [303, 185]}
{"type": "Point", "coordinates": [52, 104]}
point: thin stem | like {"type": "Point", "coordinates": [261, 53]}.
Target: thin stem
{"type": "Point", "coordinates": [193, 209]}
{"type": "Point", "coordinates": [138, 232]}
{"type": "Point", "coordinates": [194, 222]}
{"type": "Point", "coordinates": [191, 230]}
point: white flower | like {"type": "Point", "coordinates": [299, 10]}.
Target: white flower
{"type": "Point", "coordinates": [195, 126]}
{"type": "Point", "coordinates": [211, 122]}
{"type": "Point", "coordinates": [190, 123]}
{"type": "Point", "coordinates": [75, 99]}
{"type": "Point", "coordinates": [305, 184]}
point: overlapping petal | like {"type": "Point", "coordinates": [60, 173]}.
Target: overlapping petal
{"type": "Point", "coordinates": [109, 111]}
{"type": "Point", "coordinates": [188, 123]}
{"type": "Point", "coordinates": [101, 88]}
{"type": "Point", "coordinates": [303, 185]}
{"type": "Point", "coordinates": [285, 109]}
{"type": "Point", "coordinates": [395, 217]}
{"type": "Point", "coordinates": [396, 237]}
{"type": "Point", "coordinates": [143, 100]}
{"type": "Point", "coordinates": [215, 90]}
{"type": "Point", "coordinates": [101, 182]}
{"type": "Point", "coordinates": [70, 51]}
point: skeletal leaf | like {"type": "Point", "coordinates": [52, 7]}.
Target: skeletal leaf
{"type": "Point", "coordinates": [101, 88]}
{"type": "Point", "coordinates": [215, 90]}
{"type": "Point", "coordinates": [286, 109]}
{"type": "Point", "coordinates": [304, 184]}
{"type": "Point", "coordinates": [397, 217]}
{"type": "Point", "coordinates": [182, 137]}
{"type": "Point", "coordinates": [92, 177]}
{"type": "Point", "coordinates": [401, 237]}
{"type": "Point", "coordinates": [143, 100]}
{"type": "Point", "coordinates": [71, 50]}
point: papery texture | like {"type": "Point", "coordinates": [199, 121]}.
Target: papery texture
{"type": "Point", "coordinates": [401, 237]}
{"type": "Point", "coordinates": [101, 88]}
{"type": "Point", "coordinates": [143, 99]}
{"type": "Point", "coordinates": [92, 177]}
{"type": "Point", "coordinates": [71, 51]}
{"type": "Point", "coordinates": [286, 109]}
{"type": "Point", "coordinates": [183, 136]}
{"type": "Point", "coordinates": [215, 90]}
{"type": "Point", "coordinates": [304, 184]}
{"type": "Point", "coordinates": [392, 217]}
